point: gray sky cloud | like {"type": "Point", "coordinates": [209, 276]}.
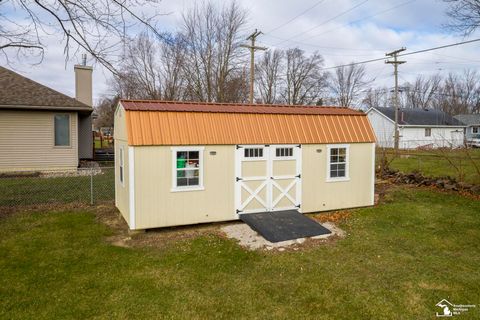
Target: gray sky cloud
{"type": "Point", "coordinates": [359, 34]}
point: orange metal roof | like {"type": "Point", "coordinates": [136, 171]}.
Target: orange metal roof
{"type": "Point", "coordinates": [268, 126]}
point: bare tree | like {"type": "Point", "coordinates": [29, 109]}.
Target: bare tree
{"type": "Point", "coordinates": [105, 112]}
{"type": "Point", "coordinates": [464, 16]}
{"type": "Point", "coordinates": [304, 80]}
{"type": "Point", "coordinates": [423, 91]}
{"type": "Point", "coordinates": [141, 62]}
{"type": "Point", "coordinates": [459, 93]}
{"type": "Point", "coordinates": [212, 35]}
{"type": "Point", "coordinates": [375, 98]}
{"type": "Point", "coordinates": [97, 27]}
{"type": "Point", "coordinates": [347, 83]}
{"type": "Point", "coordinates": [268, 75]}
{"type": "Point", "coordinates": [172, 60]}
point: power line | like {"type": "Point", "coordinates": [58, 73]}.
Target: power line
{"type": "Point", "coordinates": [407, 54]}
{"type": "Point", "coordinates": [325, 22]}
{"type": "Point", "coordinates": [297, 16]}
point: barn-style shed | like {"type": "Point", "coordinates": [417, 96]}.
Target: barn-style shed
{"type": "Point", "coordinates": [180, 163]}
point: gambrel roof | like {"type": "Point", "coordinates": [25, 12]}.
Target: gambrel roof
{"type": "Point", "coordinates": [199, 123]}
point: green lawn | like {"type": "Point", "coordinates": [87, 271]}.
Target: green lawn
{"type": "Point", "coordinates": [434, 163]}
{"type": "Point", "coordinates": [398, 260]}
{"type": "Point", "coordinates": [42, 190]}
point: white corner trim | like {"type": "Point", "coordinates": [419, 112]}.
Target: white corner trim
{"type": "Point", "coordinates": [373, 174]}
{"type": "Point", "coordinates": [347, 165]}
{"type": "Point", "coordinates": [131, 185]}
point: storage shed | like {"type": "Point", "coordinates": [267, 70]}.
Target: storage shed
{"type": "Point", "coordinates": [180, 163]}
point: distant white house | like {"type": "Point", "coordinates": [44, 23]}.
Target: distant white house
{"type": "Point", "coordinates": [472, 123]}
{"type": "Point", "coordinates": [418, 128]}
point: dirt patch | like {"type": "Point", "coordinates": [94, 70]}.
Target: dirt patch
{"type": "Point", "coordinates": [251, 240]}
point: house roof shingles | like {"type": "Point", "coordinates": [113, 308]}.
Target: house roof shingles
{"type": "Point", "coordinates": [20, 92]}
{"type": "Point", "coordinates": [420, 117]}
{"type": "Point", "coordinates": [198, 123]}
{"type": "Point", "coordinates": [469, 119]}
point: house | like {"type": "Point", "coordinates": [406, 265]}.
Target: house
{"type": "Point", "coordinates": [43, 129]}
{"type": "Point", "coordinates": [472, 123]}
{"type": "Point", "coordinates": [418, 128]}
{"type": "Point", "coordinates": [180, 163]}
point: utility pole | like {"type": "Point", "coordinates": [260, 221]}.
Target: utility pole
{"type": "Point", "coordinates": [395, 62]}
{"type": "Point", "coordinates": [252, 49]}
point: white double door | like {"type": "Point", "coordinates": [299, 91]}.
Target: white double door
{"type": "Point", "coordinates": [268, 178]}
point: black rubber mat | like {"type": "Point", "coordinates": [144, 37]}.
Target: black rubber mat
{"type": "Point", "coordinates": [283, 225]}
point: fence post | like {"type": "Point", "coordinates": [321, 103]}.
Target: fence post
{"type": "Point", "coordinates": [91, 184]}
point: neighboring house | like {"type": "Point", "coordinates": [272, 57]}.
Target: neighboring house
{"type": "Point", "coordinates": [472, 123]}
{"type": "Point", "coordinates": [418, 128]}
{"type": "Point", "coordinates": [185, 163]}
{"type": "Point", "coordinates": [42, 129]}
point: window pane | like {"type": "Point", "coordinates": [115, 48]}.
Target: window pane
{"type": "Point", "coordinates": [193, 181]}
{"type": "Point", "coordinates": [181, 182]}
{"type": "Point", "coordinates": [62, 129]}
{"type": "Point", "coordinates": [193, 155]}
{"type": "Point", "coordinates": [253, 153]}
{"type": "Point", "coordinates": [181, 159]}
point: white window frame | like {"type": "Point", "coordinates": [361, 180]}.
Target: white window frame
{"type": "Point", "coordinates": [121, 160]}
{"type": "Point", "coordinates": [260, 146]}
{"type": "Point", "coordinates": [347, 162]}
{"type": "Point", "coordinates": [200, 186]}
{"type": "Point", "coordinates": [274, 152]}
{"type": "Point", "coordinates": [69, 130]}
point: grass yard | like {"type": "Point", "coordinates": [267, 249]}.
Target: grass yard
{"type": "Point", "coordinates": [432, 163]}
{"type": "Point", "coordinates": [44, 190]}
{"type": "Point", "coordinates": [398, 260]}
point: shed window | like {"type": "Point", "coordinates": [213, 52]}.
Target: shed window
{"type": "Point", "coordinates": [428, 132]}
{"type": "Point", "coordinates": [284, 152]}
{"type": "Point", "coordinates": [337, 163]}
{"type": "Point", "coordinates": [188, 169]}
{"type": "Point", "coordinates": [121, 166]}
{"type": "Point", "coordinates": [253, 153]}
{"type": "Point", "coordinates": [62, 130]}
{"type": "Point", "coordinates": [474, 129]}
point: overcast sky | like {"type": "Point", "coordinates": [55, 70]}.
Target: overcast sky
{"type": "Point", "coordinates": [341, 30]}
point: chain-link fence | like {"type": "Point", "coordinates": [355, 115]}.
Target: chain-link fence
{"type": "Point", "coordinates": [463, 164]}
{"type": "Point", "coordinates": [90, 185]}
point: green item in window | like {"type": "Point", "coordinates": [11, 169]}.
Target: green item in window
{"type": "Point", "coordinates": [181, 163]}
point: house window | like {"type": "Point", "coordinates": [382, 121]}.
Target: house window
{"type": "Point", "coordinates": [428, 132]}
{"type": "Point", "coordinates": [284, 152]}
{"type": "Point", "coordinates": [62, 130]}
{"type": "Point", "coordinates": [253, 153]}
{"type": "Point", "coordinates": [122, 170]}
{"type": "Point", "coordinates": [337, 163]}
{"type": "Point", "coordinates": [188, 169]}
{"type": "Point", "coordinates": [474, 129]}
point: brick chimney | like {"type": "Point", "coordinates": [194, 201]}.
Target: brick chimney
{"type": "Point", "coordinates": [83, 82]}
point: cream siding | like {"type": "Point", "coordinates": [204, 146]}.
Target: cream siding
{"type": "Point", "coordinates": [157, 206]}
{"type": "Point", "coordinates": [120, 124]}
{"type": "Point", "coordinates": [320, 195]}
{"type": "Point", "coordinates": [122, 191]}
{"type": "Point", "coordinates": [122, 198]}
{"type": "Point", "coordinates": [27, 141]}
